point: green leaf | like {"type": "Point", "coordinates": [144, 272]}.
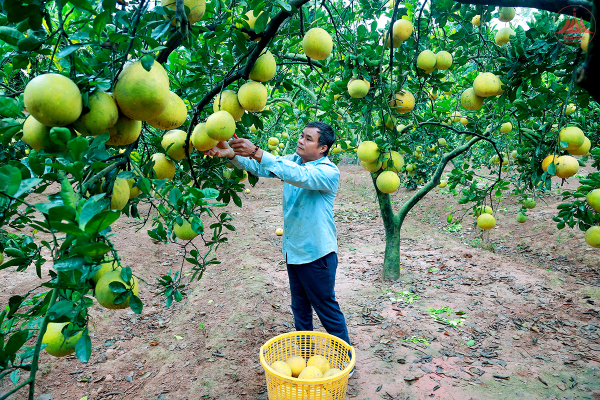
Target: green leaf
{"type": "Point", "coordinates": [92, 207]}
{"type": "Point", "coordinates": [16, 341]}
{"type": "Point", "coordinates": [67, 194]}
{"type": "Point", "coordinates": [564, 144]}
{"type": "Point", "coordinates": [551, 169]}
{"type": "Point", "coordinates": [210, 193]}
{"type": "Point", "coordinates": [117, 287]}
{"type": "Point", "coordinates": [470, 343]}
{"type": "Point", "coordinates": [93, 249]}
{"type": "Point", "coordinates": [126, 274]}
{"type": "Point", "coordinates": [449, 218]}
{"type": "Point", "coordinates": [83, 348]}
{"type": "Point", "coordinates": [284, 5]}
{"type": "Point", "coordinates": [69, 49]}
{"type": "Point", "coordinates": [63, 311]}
{"type": "Point", "coordinates": [83, 5]}
{"type": "Point", "coordinates": [10, 35]}
{"type": "Point", "coordinates": [10, 108]}
{"type": "Point", "coordinates": [147, 62]}
{"type": "Point", "coordinates": [69, 264]}
{"type": "Point", "coordinates": [261, 22]}
{"type": "Point", "coordinates": [101, 221]}
{"type": "Point", "coordinates": [26, 185]}
{"type": "Point", "coordinates": [10, 180]}
{"type": "Point", "coordinates": [136, 304]}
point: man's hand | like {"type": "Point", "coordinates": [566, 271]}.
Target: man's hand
{"type": "Point", "coordinates": [222, 149]}
{"type": "Point", "coordinates": [242, 147]}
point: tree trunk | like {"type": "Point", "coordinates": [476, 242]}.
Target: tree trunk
{"type": "Point", "coordinates": [391, 261]}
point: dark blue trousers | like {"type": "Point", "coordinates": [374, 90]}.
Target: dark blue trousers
{"type": "Point", "coordinates": [313, 284]}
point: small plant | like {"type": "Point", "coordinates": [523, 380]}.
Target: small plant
{"type": "Point", "coordinates": [436, 315]}
{"type": "Point", "coordinates": [453, 228]}
{"type": "Point", "coordinates": [402, 297]}
{"type": "Point", "coordinates": [417, 339]}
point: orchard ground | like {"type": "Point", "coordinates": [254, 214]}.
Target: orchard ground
{"type": "Point", "coordinates": [529, 299]}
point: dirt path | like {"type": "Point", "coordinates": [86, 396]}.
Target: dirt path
{"type": "Point", "coordinates": [520, 323]}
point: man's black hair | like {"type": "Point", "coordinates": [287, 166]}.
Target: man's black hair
{"type": "Point", "coordinates": [326, 134]}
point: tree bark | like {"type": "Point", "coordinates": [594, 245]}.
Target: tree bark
{"type": "Point", "coordinates": [391, 260]}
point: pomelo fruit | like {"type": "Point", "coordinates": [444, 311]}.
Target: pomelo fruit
{"type": "Point", "coordinates": [486, 84]}
{"type": "Point", "coordinates": [142, 95]}
{"type": "Point", "coordinates": [201, 140]}
{"type": "Point", "coordinates": [296, 363]}
{"type": "Point", "coordinates": [403, 101]}
{"type": "Point", "coordinates": [125, 131]}
{"type": "Point", "coordinates": [184, 231]}
{"type": "Point", "coordinates": [252, 96]}
{"type": "Point", "coordinates": [368, 151]}
{"type": "Point", "coordinates": [318, 361]}
{"type": "Point", "coordinates": [264, 68]}
{"type": "Point", "coordinates": [566, 166]}
{"type": "Point", "coordinates": [317, 44]}
{"type": "Point", "coordinates": [593, 199]}
{"type": "Point", "coordinates": [573, 136]}
{"type": "Point", "coordinates": [400, 32]}
{"type": "Point", "coordinates": [310, 372]}
{"type": "Point", "coordinates": [220, 126]}
{"type": "Point", "coordinates": [103, 114]}
{"type": "Point", "coordinates": [163, 167]}
{"type": "Point", "coordinates": [53, 100]}
{"type": "Point", "coordinates": [175, 138]}
{"type": "Point", "coordinates": [58, 344]}
{"type": "Point", "coordinates": [228, 100]}
{"type": "Point", "coordinates": [173, 116]}
{"type": "Point", "coordinates": [443, 60]}
{"type": "Point", "coordinates": [120, 194]}
{"type": "Point", "coordinates": [592, 236]}
{"type": "Point", "coordinates": [106, 297]}
{"type": "Point", "coordinates": [486, 221]}
{"type": "Point", "coordinates": [426, 60]}
{"type": "Point", "coordinates": [388, 182]}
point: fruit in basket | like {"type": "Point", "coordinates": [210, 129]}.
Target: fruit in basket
{"type": "Point", "coordinates": [297, 364]}
{"type": "Point", "coordinates": [310, 373]}
{"type": "Point", "coordinates": [318, 361]}
{"type": "Point", "coordinates": [332, 372]}
{"type": "Point", "coordinates": [282, 368]}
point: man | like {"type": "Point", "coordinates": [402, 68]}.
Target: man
{"type": "Point", "coordinates": [309, 233]}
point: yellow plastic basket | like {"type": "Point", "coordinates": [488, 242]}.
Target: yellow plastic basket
{"type": "Point", "coordinates": [307, 344]}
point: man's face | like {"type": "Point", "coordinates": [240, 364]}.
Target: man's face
{"type": "Point", "coordinates": [308, 145]}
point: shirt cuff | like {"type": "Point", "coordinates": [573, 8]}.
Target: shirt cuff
{"type": "Point", "coordinates": [267, 159]}
{"type": "Point", "coordinates": [235, 161]}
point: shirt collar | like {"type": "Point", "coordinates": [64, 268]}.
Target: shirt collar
{"type": "Point", "coordinates": [311, 162]}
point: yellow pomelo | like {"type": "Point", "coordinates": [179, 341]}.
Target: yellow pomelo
{"type": "Point", "coordinates": [442, 142]}
{"type": "Point", "coordinates": [58, 344]}
{"type": "Point", "coordinates": [593, 199]}
{"type": "Point", "coordinates": [297, 364]}
{"type": "Point", "coordinates": [173, 116]}
{"type": "Point", "coordinates": [573, 136]}
{"type": "Point", "coordinates": [264, 68]}
{"type": "Point", "coordinates": [486, 84]}
{"type": "Point", "coordinates": [506, 14]}
{"type": "Point", "coordinates": [503, 36]}
{"type": "Point", "coordinates": [125, 131]}
{"type": "Point", "coordinates": [318, 361]}
{"type": "Point", "coordinates": [388, 182]}
{"type": "Point", "coordinates": [142, 95]}
{"type": "Point", "coordinates": [163, 167]}
{"type": "Point", "coordinates": [390, 121]}
{"type": "Point", "coordinates": [404, 102]}
{"type": "Point", "coordinates": [53, 100]}
{"type": "Point", "coordinates": [332, 372]}
{"type": "Point", "coordinates": [443, 60]}
{"type": "Point", "coordinates": [433, 94]}
{"type": "Point", "coordinates": [368, 151]}
{"type": "Point", "coordinates": [317, 44]}
{"type": "Point", "coordinates": [442, 184]}
{"type": "Point", "coordinates": [227, 100]}
{"type": "Point", "coordinates": [106, 267]}
{"type": "Point", "coordinates": [470, 100]}
{"type": "Point", "coordinates": [426, 60]}
{"type": "Point", "coordinates": [220, 126]}
{"type": "Point", "coordinates": [184, 231]}
{"type": "Point", "coordinates": [585, 41]}
{"type": "Point", "coordinates": [566, 166]}
{"type": "Point", "coordinates": [176, 139]}
{"type": "Point", "coordinates": [455, 117]}
{"type": "Point", "coordinates": [273, 141]}
{"type": "Point", "coordinates": [583, 149]}
{"type": "Point", "coordinates": [36, 134]}
{"type": "Point", "coordinates": [358, 88]}
{"type": "Point", "coordinates": [476, 20]}
{"type": "Point", "coordinates": [371, 166]}
{"type": "Point", "coordinates": [570, 109]}
{"type": "Point", "coordinates": [486, 221]}
{"type": "Point", "coordinates": [201, 140]}
{"type": "Point", "coordinates": [310, 373]}
{"type": "Point", "coordinates": [529, 203]}
{"type": "Point", "coordinates": [197, 9]}
{"type": "Point", "coordinates": [103, 114]}
{"type": "Point", "coordinates": [134, 191]}
{"type": "Point", "coordinates": [251, 22]}
{"type": "Point", "coordinates": [506, 127]}
{"type": "Point", "coordinates": [592, 236]}
{"type": "Point", "coordinates": [397, 161]}
{"type": "Point", "coordinates": [106, 297]}
{"type": "Point", "coordinates": [514, 153]}
{"type": "Point", "coordinates": [483, 210]}
{"type": "Point", "coordinates": [400, 32]}
{"type": "Point", "coordinates": [120, 194]}
{"type": "Point", "coordinates": [253, 96]}
{"type": "Point", "coordinates": [548, 160]}
{"type": "Point", "coordinates": [282, 368]}
{"type": "Point", "coordinates": [464, 121]}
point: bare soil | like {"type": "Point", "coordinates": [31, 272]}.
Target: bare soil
{"type": "Point", "coordinates": [522, 317]}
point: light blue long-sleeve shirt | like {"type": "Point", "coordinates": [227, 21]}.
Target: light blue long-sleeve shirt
{"type": "Point", "coordinates": [308, 194]}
